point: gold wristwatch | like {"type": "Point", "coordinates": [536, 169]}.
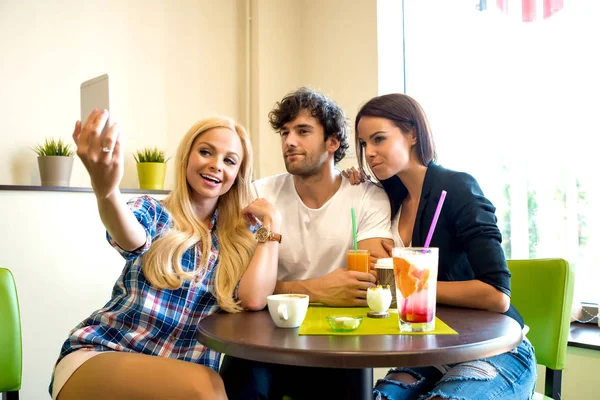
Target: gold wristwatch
{"type": "Point", "coordinates": [264, 234]}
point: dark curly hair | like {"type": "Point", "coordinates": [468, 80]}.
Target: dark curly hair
{"type": "Point", "coordinates": [326, 111]}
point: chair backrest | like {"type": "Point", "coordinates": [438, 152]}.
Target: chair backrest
{"type": "Point", "coordinates": [10, 334]}
{"type": "Point", "coordinates": [542, 292]}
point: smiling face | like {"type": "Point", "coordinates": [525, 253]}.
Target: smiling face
{"type": "Point", "coordinates": [388, 150]}
{"type": "Point", "coordinates": [305, 151]}
{"type": "Point", "coordinates": [213, 164]}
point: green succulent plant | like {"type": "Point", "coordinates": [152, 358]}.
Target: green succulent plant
{"type": "Point", "coordinates": [54, 147]}
{"type": "Point", "coordinates": [148, 155]}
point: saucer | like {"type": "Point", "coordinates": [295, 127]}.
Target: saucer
{"type": "Point", "coordinates": [343, 323]}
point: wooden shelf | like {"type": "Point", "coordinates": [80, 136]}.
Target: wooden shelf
{"type": "Point", "coordinates": [74, 189]}
{"type": "Point", "coordinates": [586, 336]}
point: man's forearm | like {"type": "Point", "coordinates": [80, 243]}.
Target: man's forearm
{"type": "Point", "coordinates": [298, 287]}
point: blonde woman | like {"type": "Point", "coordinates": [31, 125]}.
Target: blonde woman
{"type": "Point", "coordinates": [186, 257]}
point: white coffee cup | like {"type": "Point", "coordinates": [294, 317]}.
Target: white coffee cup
{"type": "Point", "coordinates": [387, 263]}
{"type": "Point", "coordinates": [288, 310]}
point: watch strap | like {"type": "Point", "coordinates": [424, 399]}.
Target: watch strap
{"type": "Point", "coordinates": [275, 236]}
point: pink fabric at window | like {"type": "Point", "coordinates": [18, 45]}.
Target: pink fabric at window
{"type": "Point", "coordinates": [529, 8]}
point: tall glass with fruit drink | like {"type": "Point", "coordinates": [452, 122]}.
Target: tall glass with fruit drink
{"type": "Point", "coordinates": [415, 271]}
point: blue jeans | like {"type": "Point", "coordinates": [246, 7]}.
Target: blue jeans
{"type": "Point", "coordinates": [508, 376]}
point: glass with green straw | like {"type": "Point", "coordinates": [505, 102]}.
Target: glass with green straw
{"type": "Point", "coordinates": [357, 260]}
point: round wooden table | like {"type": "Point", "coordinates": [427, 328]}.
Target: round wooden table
{"type": "Point", "coordinates": [254, 336]}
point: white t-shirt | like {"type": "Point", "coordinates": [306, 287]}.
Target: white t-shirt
{"type": "Point", "coordinates": [314, 241]}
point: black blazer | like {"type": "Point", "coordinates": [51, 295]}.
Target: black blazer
{"type": "Point", "coordinates": [467, 234]}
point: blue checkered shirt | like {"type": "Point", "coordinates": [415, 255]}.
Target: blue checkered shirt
{"type": "Point", "coordinates": [143, 319]}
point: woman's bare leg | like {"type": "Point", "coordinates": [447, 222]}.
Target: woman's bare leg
{"type": "Point", "coordinates": [131, 376]}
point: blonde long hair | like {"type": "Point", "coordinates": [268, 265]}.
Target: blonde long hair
{"type": "Point", "coordinates": [161, 265]}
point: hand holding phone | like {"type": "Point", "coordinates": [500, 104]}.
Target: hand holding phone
{"type": "Point", "coordinates": [98, 139]}
{"type": "Point", "coordinates": [95, 95]}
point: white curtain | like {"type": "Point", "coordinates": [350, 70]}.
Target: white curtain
{"type": "Point", "coordinates": [515, 104]}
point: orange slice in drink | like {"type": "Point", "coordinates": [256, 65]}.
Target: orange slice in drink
{"type": "Point", "coordinates": [422, 277]}
{"type": "Point", "coordinates": [407, 282]}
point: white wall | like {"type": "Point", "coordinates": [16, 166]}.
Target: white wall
{"type": "Point", "coordinates": [341, 47]}
{"type": "Point", "coordinates": [55, 245]}
{"type": "Point", "coordinates": [580, 376]}
{"type": "Point", "coordinates": [170, 62]}
{"type": "Point", "coordinates": [277, 64]}
{"type": "Point", "coordinates": [326, 45]}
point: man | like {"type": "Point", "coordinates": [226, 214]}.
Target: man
{"type": "Point", "coordinates": [315, 202]}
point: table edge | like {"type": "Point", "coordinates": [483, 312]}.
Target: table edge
{"type": "Point", "coordinates": [337, 359]}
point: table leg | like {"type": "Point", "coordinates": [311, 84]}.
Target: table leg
{"type": "Point", "coordinates": [359, 384]}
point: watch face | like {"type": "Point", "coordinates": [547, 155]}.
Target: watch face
{"type": "Point", "coordinates": [262, 234]}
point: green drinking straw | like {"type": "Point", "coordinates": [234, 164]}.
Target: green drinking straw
{"type": "Point", "coordinates": [354, 229]}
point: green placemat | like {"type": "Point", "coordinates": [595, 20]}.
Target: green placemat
{"type": "Point", "coordinates": [316, 324]}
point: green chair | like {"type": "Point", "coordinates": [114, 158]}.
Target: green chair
{"type": "Point", "coordinates": [542, 291]}
{"type": "Point", "coordinates": [10, 337]}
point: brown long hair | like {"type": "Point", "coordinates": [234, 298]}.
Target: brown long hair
{"type": "Point", "coordinates": [408, 115]}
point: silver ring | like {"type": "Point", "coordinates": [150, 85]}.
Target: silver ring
{"type": "Point", "coordinates": [107, 149]}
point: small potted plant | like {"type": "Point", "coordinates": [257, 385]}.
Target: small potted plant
{"type": "Point", "coordinates": [151, 167]}
{"type": "Point", "coordinates": [55, 162]}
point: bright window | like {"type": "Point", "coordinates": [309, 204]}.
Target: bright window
{"type": "Point", "coordinates": [515, 104]}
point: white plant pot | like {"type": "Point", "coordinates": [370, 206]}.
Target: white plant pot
{"type": "Point", "coordinates": [55, 170]}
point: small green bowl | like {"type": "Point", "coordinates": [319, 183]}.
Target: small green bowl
{"type": "Point", "coordinates": [344, 323]}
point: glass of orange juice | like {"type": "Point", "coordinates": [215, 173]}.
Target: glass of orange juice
{"type": "Point", "coordinates": [358, 260]}
{"type": "Point", "coordinates": [415, 272]}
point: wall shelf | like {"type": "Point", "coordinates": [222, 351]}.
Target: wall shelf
{"type": "Point", "coordinates": [586, 336]}
{"type": "Point", "coordinates": [32, 188]}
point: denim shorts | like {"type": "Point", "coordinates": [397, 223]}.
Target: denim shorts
{"type": "Point", "coordinates": [507, 376]}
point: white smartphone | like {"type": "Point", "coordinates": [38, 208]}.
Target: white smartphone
{"type": "Point", "coordinates": [95, 94]}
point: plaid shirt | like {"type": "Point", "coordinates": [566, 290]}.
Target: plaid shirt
{"type": "Point", "coordinates": [143, 319]}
